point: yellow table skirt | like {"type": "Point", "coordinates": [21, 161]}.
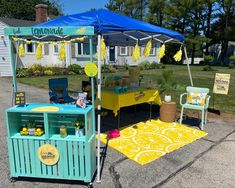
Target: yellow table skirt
{"type": "Point", "coordinates": [112, 101]}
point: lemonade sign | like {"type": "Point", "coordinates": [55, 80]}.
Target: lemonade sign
{"type": "Point", "coordinates": [221, 84]}
{"type": "Point", "coordinates": [48, 154]}
{"type": "Point", "coordinates": [91, 69]}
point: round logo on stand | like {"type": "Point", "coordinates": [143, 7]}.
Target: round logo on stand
{"type": "Point", "coordinates": [91, 69]}
{"type": "Point", "coordinates": [48, 154]}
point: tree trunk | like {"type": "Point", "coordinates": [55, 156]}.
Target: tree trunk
{"type": "Point", "coordinates": [208, 25]}
{"type": "Point", "coordinates": [193, 54]}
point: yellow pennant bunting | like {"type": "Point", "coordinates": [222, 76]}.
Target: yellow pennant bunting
{"type": "Point", "coordinates": [21, 50]}
{"type": "Point", "coordinates": [80, 39]}
{"type": "Point", "coordinates": [161, 52]}
{"type": "Point", "coordinates": [39, 51]}
{"type": "Point", "coordinates": [102, 50]}
{"type": "Point", "coordinates": [178, 55]}
{"type": "Point", "coordinates": [148, 48]}
{"type": "Point", "coordinates": [62, 53]}
{"type": "Point", "coordinates": [136, 53]}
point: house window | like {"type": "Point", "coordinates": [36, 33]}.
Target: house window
{"type": "Point", "coordinates": [46, 49]}
{"type": "Point", "coordinates": [30, 48]}
{"type": "Point", "coordinates": [83, 49]}
{"type": "Point", "coordinates": [56, 49]}
{"type": "Point", "coordinates": [79, 48]}
{"type": "Point", "coordinates": [86, 49]}
{"type": "Point", "coordinates": [152, 51]}
{"type": "Point", "coordinates": [123, 50]}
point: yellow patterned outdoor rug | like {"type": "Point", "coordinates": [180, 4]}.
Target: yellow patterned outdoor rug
{"type": "Point", "coordinates": [145, 142]}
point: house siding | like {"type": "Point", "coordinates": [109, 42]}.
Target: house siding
{"type": "Point", "coordinates": [5, 65]}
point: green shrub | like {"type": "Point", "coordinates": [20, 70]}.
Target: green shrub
{"type": "Point", "coordinates": [36, 70]}
{"type": "Point", "coordinates": [55, 70]}
{"type": "Point", "coordinates": [232, 58]}
{"type": "Point", "coordinates": [154, 65]}
{"type": "Point", "coordinates": [22, 72]}
{"type": "Point", "coordinates": [126, 66]}
{"type": "Point", "coordinates": [38, 73]}
{"type": "Point", "coordinates": [144, 65]}
{"type": "Point", "coordinates": [208, 58]}
{"type": "Point", "coordinates": [65, 71]}
{"type": "Point", "coordinates": [48, 72]}
{"type": "Point", "coordinates": [231, 66]}
{"type": "Point", "coordinates": [207, 68]}
{"type": "Point", "coordinates": [107, 69]}
{"type": "Point", "coordinates": [75, 68]}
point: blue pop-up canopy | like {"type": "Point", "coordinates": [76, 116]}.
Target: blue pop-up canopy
{"type": "Point", "coordinates": [117, 30]}
{"type": "Point", "coordinates": [106, 22]}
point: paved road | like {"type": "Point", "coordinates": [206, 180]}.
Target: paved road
{"type": "Point", "coordinates": [208, 162]}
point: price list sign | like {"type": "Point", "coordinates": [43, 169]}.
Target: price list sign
{"type": "Point", "coordinates": [20, 98]}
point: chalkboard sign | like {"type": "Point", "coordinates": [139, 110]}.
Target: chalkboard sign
{"type": "Point", "coordinates": [20, 98]}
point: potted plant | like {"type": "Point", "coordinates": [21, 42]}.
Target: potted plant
{"type": "Point", "coordinates": [167, 84]}
{"type": "Point", "coordinates": [31, 125]}
{"type": "Point", "coordinates": [79, 126]}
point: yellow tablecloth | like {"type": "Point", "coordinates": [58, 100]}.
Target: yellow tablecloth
{"type": "Point", "coordinates": [112, 101]}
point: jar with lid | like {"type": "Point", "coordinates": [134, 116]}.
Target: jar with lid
{"type": "Point", "coordinates": [63, 131]}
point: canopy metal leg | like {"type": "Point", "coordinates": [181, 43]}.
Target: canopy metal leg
{"type": "Point", "coordinates": [189, 71]}
{"type": "Point", "coordinates": [99, 108]}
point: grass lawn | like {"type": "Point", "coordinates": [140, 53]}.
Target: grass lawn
{"type": "Point", "coordinates": [225, 103]}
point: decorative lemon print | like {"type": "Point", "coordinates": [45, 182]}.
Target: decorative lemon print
{"type": "Point", "coordinates": [145, 142]}
{"type": "Point", "coordinates": [45, 109]}
{"type": "Point", "coordinates": [148, 155]}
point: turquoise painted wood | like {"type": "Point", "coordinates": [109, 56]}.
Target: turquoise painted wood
{"type": "Point", "coordinates": [202, 108]}
{"type": "Point", "coordinates": [49, 31]}
{"type": "Point", "coordinates": [77, 160]}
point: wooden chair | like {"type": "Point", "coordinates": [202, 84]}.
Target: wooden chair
{"type": "Point", "coordinates": [201, 103]}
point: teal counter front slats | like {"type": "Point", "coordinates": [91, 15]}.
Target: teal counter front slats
{"type": "Point", "coordinates": [22, 161]}
{"type": "Point", "coordinates": [11, 158]}
{"type": "Point", "coordinates": [32, 157]}
{"type": "Point", "coordinates": [16, 156]}
{"type": "Point", "coordinates": [38, 169]}
{"type": "Point", "coordinates": [77, 155]}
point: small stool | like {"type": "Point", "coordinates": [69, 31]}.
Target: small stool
{"type": "Point", "coordinates": [168, 111]}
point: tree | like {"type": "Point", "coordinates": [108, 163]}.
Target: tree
{"type": "Point", "coordinates": [132, 8]}
{"type": "Point", "coordinates": [25, 9]}
{"type": "Point", "coordinates": [224, 27]}
{"type": "Point", "coordinates": [156, 12]}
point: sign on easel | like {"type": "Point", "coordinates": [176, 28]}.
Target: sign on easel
{"type": "Point", "coordinates": [221, 84]}
{"type": "Point", "coordinates": [20, 98]}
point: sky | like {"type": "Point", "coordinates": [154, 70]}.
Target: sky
{"type": "Point", "coordinates": [78, 6]}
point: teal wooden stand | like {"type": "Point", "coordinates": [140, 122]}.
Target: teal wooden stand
{"type": "Point", "coordinates": [77, 155]}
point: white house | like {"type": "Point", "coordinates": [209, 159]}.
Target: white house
{"type": "Point", "coordinates": [76, 53]}
{"type": "Point", "coordinates": [5, 67]}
